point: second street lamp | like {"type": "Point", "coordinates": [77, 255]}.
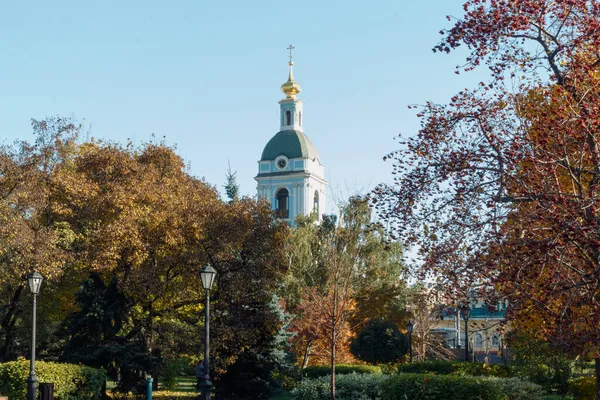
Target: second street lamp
{"type": "Point", "coordinates": [207, 275]}
{"type": "Point", "coordinates": [409, 329]}
{"type": "Point", "coordinates": [34, 280]}
{"type": "Point", "coordinates": [465, 310]}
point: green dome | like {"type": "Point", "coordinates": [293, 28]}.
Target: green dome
{"type": "Point", "coordinates": [292, 144]}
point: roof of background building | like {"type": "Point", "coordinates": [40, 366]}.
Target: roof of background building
{"type": "Point", "coordinates": [290, 143]}
{"type": "Point", "coordinates": [476, 312]}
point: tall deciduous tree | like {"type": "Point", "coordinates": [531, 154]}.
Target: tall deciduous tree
{"type": "Point", "coordinates": [143, 219]}
{"type": "Point", "coordinates": [500, 187]}
{"type": "Point", "coordinates": [30, 237]}
{"type": "Point", "coordinates": [331, 267]}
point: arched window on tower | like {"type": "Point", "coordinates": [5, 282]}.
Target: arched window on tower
{"type": "Point", "coordinates": [288, 117]}
{"type": "Point", "coordinates": [282, 206]}
{"type": "Point", "coordinates": [316, 203]}
{"type": "Point", "coordinates": [300, 118]}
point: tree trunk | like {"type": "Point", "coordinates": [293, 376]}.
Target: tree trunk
{"type": "Point", "coordinates": [333, 332]}
{"type": "Point", "coordinates": [306, 356]}
{"type": "Point", "coordinates": [597, 370]}
{"type": "Point", "coordinates": [333, 362]}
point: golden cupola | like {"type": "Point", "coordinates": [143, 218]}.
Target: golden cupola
{"type": "Point", "coordinates": [291, 88]}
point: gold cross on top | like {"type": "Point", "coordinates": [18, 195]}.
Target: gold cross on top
{"type": "Point", "coordinates": [290, 49]}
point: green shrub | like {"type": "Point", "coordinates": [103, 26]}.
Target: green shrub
{"type": "Point", "coordinates": [454, 368]}
{"type": "Point", "coordinates": [583, 388]}
{"type": "Point", "coordinates": [538, 362]}
{"type": "Point", "coordinates": [517, 389]}
{"type": "Point", "coordinates": [71, 382]}
{"type": "Point", "coordinates": [317, 371]}
{"type": "Point", "coordinates": [428, 367]}
{"type": "Point", "coordinates": [441, 387]}
{"type": "Point", "coordinates": [351, 386]}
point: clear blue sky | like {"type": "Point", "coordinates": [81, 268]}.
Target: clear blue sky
{"type": "Point", "coordinates": [205, 75]}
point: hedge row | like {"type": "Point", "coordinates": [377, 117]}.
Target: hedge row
{"type": "Point", "coordinates": [439, 387]}
{"type": "Point", "coordinates": [454, 368]}
{"type": "Point", "coordinates": [71, 382]}
{"type": "Point", "coordinates": [418, 386]}
{"type": "Point", "coordinates": [340, 369]}
{"type": "Point", "coordinates": [156, 395]}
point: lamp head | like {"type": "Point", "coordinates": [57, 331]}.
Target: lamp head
{"type": "Point", "coordinates": [465, 311]}
{"type": "Point", "coordinates": [35, 281]}
{"type": "Point", "coordinates": [409, 326]}
{"type": "Point", "coordinates": [208, 274]}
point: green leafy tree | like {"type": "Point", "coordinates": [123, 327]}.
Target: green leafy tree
{"type": "Point", "coordinates": [380, 342]}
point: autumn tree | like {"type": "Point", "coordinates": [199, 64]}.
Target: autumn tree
{"type": "Point", "coordinates": [145, 221]}
{"type": "Point", "coordinates": [134, 227]}
{"type": "Point", "coordinates": [500, 186]}
{"type": "Point", "coordinates": [30, 238]}
{"type": "Point", "coordinates": [333, 266]}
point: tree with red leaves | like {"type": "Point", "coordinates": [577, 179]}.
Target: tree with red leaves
{"type": "Point", "coordinates": [500, 187]}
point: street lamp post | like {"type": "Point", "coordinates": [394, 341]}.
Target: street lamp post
{"type": "Point", "coordinates": [409, 329]}
{"type": "Point", "coordinates": [465, 310]}
{"type": "Point", "coordinates": [207, 274]}
{"type": "Point", "coordinates": [35, 281]}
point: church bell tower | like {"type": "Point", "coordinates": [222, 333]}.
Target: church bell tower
{"type": "Point", "coordinates": [290, 173]}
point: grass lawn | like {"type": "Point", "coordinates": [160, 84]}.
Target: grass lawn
{"type": "Point", "coordinates": [556, 397]}
{"type": "Point", "coordinates": [185, 389]}
{"type": "Point", "coordinates": [184, 384]}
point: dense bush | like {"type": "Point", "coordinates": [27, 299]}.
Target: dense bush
{"type": "Point", "coordinates": [348, 387]}
{"type": "Point", "coordinates": [538, 362]}
{"type": "Point", "coordinates": [518, 389]}
{"type": "Point", "coordinates": [454, 368]}
{"type": "Point", "coordinates": [438, 387]}
{"type": "Point", "coordinates": [380, 342]}
{"type": "Point", "coordinates": [340, 369]}
{"type": "Point", "coordinates": [583, 388]}
{"type": "Point", "coordinates": [71, 382]}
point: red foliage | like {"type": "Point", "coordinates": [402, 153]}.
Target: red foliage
{"type": "Point", "coordinates": [312, 328]}
{"type": "Point", "coordinates": [501, 186]}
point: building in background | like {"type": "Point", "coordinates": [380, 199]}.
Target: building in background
{"type": "Point", "coordinates": [290, 173]}
{"type": "Point", "coordinates": [485, 330]}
